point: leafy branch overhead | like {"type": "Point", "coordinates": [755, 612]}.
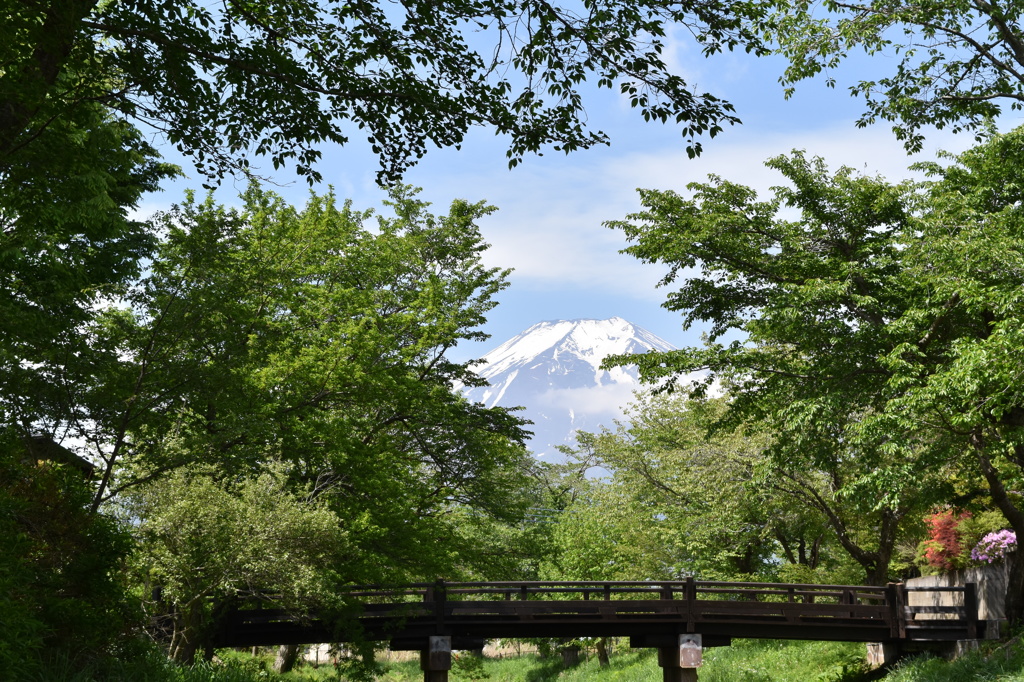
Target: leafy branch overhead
{"type": "Point", "coordinates": [956, 64]}
{"type": "Point", "coordinates": [241, 78]}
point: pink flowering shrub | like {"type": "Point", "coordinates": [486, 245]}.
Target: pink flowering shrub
{"type": "Point", "coordinates": [994, 546]}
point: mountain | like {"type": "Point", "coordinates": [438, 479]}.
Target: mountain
{"type": "Point", "coordinates": [553, 370]}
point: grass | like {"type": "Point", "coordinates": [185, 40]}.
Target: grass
{"type": "Point", "coordinates": [625, 665]}
{"type": "Point", "coordinates": [754, 660]}
{"type": "Point", "coordinates": [744, 661]}
{"type": "Point", "coordinates": [995, 662]}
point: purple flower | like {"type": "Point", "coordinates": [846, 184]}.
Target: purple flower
{"type": "Point", "coordinates": [994, 546]}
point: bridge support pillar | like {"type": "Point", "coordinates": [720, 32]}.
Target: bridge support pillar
{"type": "Point", "coordinates": [679, 663]}
{"type": "Point", "coordinates": [436, 659]}
{"type": "Point", "coordinates": [882, 653]}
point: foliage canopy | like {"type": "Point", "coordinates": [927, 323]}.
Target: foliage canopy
{"type": "Point", "coordinates": [957, 64]}
{"type": "Point", "coordinates": [279, 79]}
{"type": "Point", "coordinates": [68, 244]}
{"type": "Point", "coordinates": [683, 497]}
{"type": "Point", "coordinates": [269, 332]}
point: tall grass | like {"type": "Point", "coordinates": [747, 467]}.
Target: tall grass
{"type": "Point", "coordinates": [995, 663]}
{"type": "Point", "coordinates": [753, 660]}
{"type": "Point", "coordinates": [631, 666]}
{"type": "Point", "coordinates": [744, 661]}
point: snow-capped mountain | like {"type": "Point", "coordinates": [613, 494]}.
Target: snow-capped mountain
{"type": "Point", "coordinates": [553, 369]}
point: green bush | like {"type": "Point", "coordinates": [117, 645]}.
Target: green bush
{"type": "Point", "coordinates": [61, 592]}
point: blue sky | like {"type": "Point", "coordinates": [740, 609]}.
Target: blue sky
{"type": "Point", "coordinates": [551, 208]}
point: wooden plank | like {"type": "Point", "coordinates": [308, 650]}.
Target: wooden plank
{"type": "Point", "coordinates": [955, 610]}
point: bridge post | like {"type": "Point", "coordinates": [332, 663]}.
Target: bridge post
{"type": "Point", "coordinates": [437, 595]}
{"type": "Point", "coordinates": [436, 659]}
{"type": "Point", "coordinates": [971, 609]}
{"type": "Point", "coordinates": [892, 600]}
{"type": "Point", "coordinates": [901, 604]}
{"type": "Point", "coordinates": [691, 603]}
{"type": "Point", "coordinates": [680, 663]}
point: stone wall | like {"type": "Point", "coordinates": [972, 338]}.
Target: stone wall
{"type": "Point", "coordinates": [992, 581]}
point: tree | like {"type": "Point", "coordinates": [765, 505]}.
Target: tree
{"type": "Point", "coordinates": [957, 366]}
{"type": "Point", "coordinates": [205, 537]}
{"type": "Point", "coordinates": [601, 536]}
{"type": "Point", "coordinates": [803, 316]}
{"type": "Point", "coordinates": [279, 79]}
{"type": "Point", "coordinates": [956, 64]}
{"type": "Point", "coordinates": [271, 332]}
{"type": "Point", "coordinates": [306, 337]}
{"type": "Point", "coordinates": [67, 244]}
{"type": "Point", "coordinates": [703, 499]}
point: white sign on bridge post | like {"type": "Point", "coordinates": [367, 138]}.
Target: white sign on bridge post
{"type": "Point", "coordinates": [679, 663]}
{"type": "Point", "coordinates": [690, 651]}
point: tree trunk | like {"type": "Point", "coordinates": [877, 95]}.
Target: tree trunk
{"type": "Point", "coordinates": [1015, 587]}
{"type": "Point", "coordinates": [874, 563]}
{"type": "Point", "coordinates": [286, 657]}
{"type": "Point", "coordinates": [570, 656]}
{"type": "Point", "coordinates": [602, 652]}
{"type": "Point", "coordinates": [188, 633]}
{"type": "Point", "coordinates": [1013, 514]}
{"type": "Point", "coordinates": [185, 652]}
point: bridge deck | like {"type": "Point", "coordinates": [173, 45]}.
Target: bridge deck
{"type": "Point", "coordinates": [652, 614]}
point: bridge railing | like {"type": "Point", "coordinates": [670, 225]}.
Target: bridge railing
{"type": "Point", "coordinates": [626, 590]}
{"type": "Point", "coordinates": [777, 610]}
{"type": "Point", "coordinates": [696, 601]}
{"type": "Point", "coordinates": [954, 604]}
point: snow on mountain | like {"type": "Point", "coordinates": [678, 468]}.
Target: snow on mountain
{"type": "Point", "coordinates": [553, 370]}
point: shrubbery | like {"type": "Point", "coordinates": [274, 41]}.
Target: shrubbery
{"type": "Point", "coordinates": [944, 548]}
{"type": "Point", "coordinates": [994, 546]}
{"type": "Point", "coordinates": [60, 589]}
{"type": "Point", "coordinates": [958, 539]}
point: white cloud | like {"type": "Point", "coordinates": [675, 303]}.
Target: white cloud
{"type": "Point", "coordinates": [740, 158]}
{"type": "Point", "coordinates": [593, 401]}
{"type": "Point", "coordinates": [607, 402]}
{"type": "Point", "coordinates": [550, 224]}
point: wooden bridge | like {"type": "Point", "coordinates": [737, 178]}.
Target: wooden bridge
{"type": "Point", "coordinates": [677, 617]}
